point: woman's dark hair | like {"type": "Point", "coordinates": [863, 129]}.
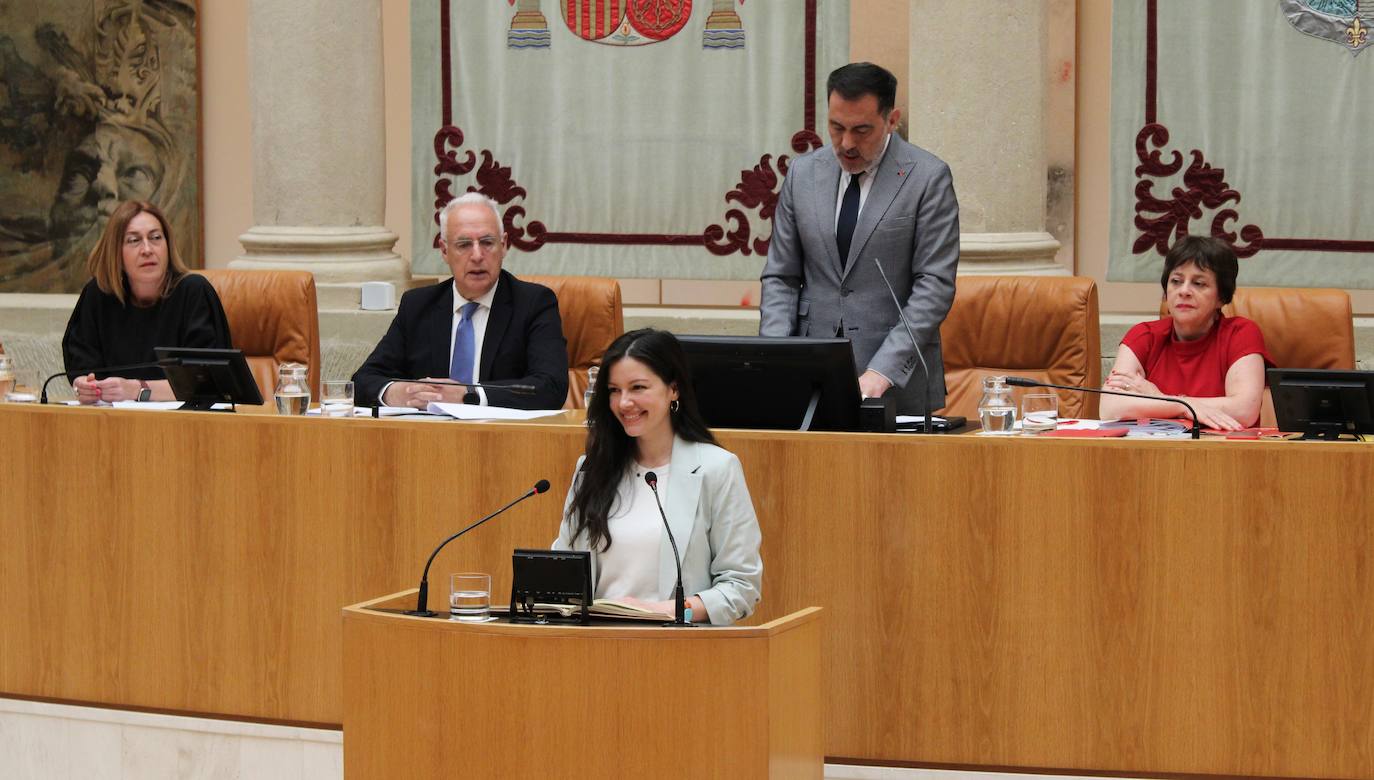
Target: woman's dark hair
{"type": "Point", "coordinates": [609, 449]}
{"type": "Point", "coordinates": [1208, 254]}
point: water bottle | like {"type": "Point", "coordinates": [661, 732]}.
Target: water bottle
{"type": "Point", "coordinates": [293, 388]}
{"type": "Point", "coordinates": [591, 387]}
{"type": "Point", "coordinates": [997, 408]}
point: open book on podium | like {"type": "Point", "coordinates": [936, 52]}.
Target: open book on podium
{"type": "Point", "coordinates": [426, 697]}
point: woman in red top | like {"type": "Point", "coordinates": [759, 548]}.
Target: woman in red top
{"type": "Point", "coordinates": [1214, 362]}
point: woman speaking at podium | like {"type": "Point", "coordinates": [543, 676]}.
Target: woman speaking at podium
{"type": "Point", "coordinates": [140, 296]}
{"type": "Point", "coordinates": [643, 418]}
{"type": "Point", "coordinates": [1215, 362]}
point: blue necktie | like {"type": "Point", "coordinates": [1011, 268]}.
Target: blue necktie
{"type": "Point", "coordinates": [849, 216]}
{"type": "Point", "coordinates": [464, 346]}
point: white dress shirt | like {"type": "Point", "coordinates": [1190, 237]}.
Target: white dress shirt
{"type": "Point", "coordinates": [629, 567]}
{"type": "Point", "coordinates": [865, 184]}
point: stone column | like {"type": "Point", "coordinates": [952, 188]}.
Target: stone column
{"type": "Point", "coordinates": [319, 157]}
{"type": "Point", "coordinates": [977, 94]}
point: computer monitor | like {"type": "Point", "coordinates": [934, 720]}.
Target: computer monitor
{"type": "Point", "coordinates": [201, 378]}
{"type": "Point", "coordinates": [776, 383]}
{"type": "Point", "coordinates": [1323, 403]}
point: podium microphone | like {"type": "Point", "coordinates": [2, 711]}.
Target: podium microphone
{"type": "Point", "coordinates": [679, 603]}
{"type": "Point", "coordinates": [1020, 381]}
{"type": "Point", "coordinates": [422, 601]}
{"type": "Point", "coordinates": [925, 396]}
{"type": "Point", "coordinates": [43, 396]}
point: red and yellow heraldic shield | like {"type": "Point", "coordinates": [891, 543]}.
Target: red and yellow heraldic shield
{"type": "Point", "coordinates": [598, 20]}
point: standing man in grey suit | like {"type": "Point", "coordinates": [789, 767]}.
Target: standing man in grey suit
{"type": "Point", "coordinates": [870, 196]}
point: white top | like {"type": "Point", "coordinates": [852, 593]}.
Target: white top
{"type": "Point", "coordinates": [865, 184]}
{"type": "Point", "coordinates": [479, 332]}
{"type": "Point", "coordinates": [630, 566]}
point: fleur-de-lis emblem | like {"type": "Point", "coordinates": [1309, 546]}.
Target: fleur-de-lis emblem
{"type": "Point", "coordinates": [1356, 34]}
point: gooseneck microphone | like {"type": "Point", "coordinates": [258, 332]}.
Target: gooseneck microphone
{"type": "Point", "coordinates": [916, 345]}
{"type": "Point", "coordinates": [43, 395]}
{"type": "Point", "coordinates": [679, 602]}
{"type": "Point", "coordinates": [1020, 381]}
{"type": "Point", "coordinates": [422, 601]}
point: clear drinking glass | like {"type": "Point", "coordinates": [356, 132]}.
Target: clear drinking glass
{"type": "Point", "coordinates": [336, 398]}
{"type": "Point", "coordinates": [469, 597]}
{"type": "Point", "coordinates": [293, 388]}
{"type": "Point", "coordinates": [997, 409]}
{"type": "Point", "coordinates": [1039, 412]}
{"type": "Point", "coordinates": [7, 375]}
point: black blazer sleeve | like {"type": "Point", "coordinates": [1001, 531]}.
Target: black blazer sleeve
{"type": "Point", "coordinates": [203, 323]}
{"type": "Point", "coordinates": [532, 352]}
{"type": "Point", "coordinates": [389, 359]}
{"type": "Point", "coordinates": [81, 346]}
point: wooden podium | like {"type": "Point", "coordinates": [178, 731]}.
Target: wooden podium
{"type": "Point", "coordinates": [430, 697]}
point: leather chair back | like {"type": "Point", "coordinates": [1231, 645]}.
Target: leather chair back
{"type": "Point", "coordinates": [274, 319]}
{"type": "Point", "coordinates": [1303, 328]}
{"type": "Point", "coordinates": [1039, 327]}
{"type": "Point", "coordinates": [593, 317]}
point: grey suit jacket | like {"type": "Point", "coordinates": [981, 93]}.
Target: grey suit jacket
{"type": "Point", "coordinates": [717, 532]}
{"type": "Point", "coordinates": [910, 224]}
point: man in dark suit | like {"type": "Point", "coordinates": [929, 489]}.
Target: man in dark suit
{"type": "Point", "coordinates": [483, 325]}
{"type": "Point", "coordinates": [869, 199]}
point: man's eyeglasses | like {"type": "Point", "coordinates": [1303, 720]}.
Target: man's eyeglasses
{"type": "Point", "coordinates": [463, 246]}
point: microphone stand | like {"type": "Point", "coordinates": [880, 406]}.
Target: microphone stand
{"type": "Point", "coordinates": [43, 395]}
{"type": "Point", "coordinates": [422, 598]}
{"type": "Point", "coordinates": [915, 345]}
{"type": "Point", "coordinates": [679, 601]}
{"type": "Point", "coordinates": [1020, 381]}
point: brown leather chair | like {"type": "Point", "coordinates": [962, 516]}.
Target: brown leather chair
{"type": "Point", "coordinates": [274, 319]}
{"type": "Point", "coordinates": [1040, 327]}
{"type": "Point", "coordinates": [1303, 328]}
{"type": "Point", "coordinates": [592, 316]}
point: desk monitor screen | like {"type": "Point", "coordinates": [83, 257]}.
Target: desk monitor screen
{"type": "Point", "coordinates": [1323, 403]}
{"type": "Point", "coordinates": [201, 378]}
{"type": "Point", "coordinates": [777, 383]}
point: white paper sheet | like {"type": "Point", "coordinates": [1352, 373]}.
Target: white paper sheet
{"type": "Point", "coordinates": [477, 412]}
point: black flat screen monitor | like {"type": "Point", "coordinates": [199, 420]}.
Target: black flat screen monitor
{"type": "Point", "coordinates": [1323, 403]}
{"type": "Point", "coordinates": [774, 383]}
{"type": "Point", "coordinates": [201, 378]}
{"type": "Point", "coordinates": [557, 577]}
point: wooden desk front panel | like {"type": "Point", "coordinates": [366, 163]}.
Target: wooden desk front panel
{"type": "Point", "coordinates": [1149, 607]}
{"type": "Point", "coordinates": [198, 562]}
{"type": "Point", "coordinates": [542, 701]}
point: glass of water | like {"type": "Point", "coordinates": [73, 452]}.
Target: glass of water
{"type": "Point", "coordinates": [6, 375]}
{"type": "Point", "coordinates": [336, 400]}
{"type": "Point", "coordinates": [469, 597]}
{"type": "Point", "coordinates": [1039, 412]}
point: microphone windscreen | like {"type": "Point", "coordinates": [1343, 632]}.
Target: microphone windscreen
{"type": "Point", "coordinates": [1020, 381]}
{"type": "Point", "coordinates": [541, 486]}
{"type": "Point", "coordinates": [652, 479]}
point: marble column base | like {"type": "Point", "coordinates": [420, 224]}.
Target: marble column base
{"type": "Point", "coordinates": [336, 255]}
{"type": "Point", "coordinates": [1020, 254]}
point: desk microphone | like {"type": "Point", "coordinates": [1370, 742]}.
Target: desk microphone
{"type": "Point", "coordinates": [43, 396]}
{"type": "Point", "coordinates": [422, 601]}
{"type": "Point", "coordinates": [516, 389]}
{"type": "Point", "coordinates": [1020, 381]}
{"type": "Point", "coordinates": [679, 603]}
{"type": "Point", "coordinates": [925, 397]}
